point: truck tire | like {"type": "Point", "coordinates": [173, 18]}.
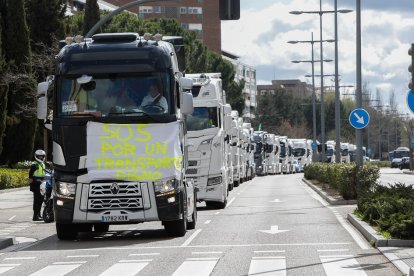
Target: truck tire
{"type": "Point", "coordinates": [236, 183]}
{"type": "Point", "coordinates": [176, 228]}
{"type": "Point", "coordinates": [101, 227]}
{"type": "Point", "coordinates": [66, 231]}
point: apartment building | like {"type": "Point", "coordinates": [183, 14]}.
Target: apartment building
{"type": "Point", "coordinates": [297, 88]}
{"type": "Point", "coordinates": [248, 74]}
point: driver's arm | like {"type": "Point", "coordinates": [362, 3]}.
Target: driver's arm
{"type": "Point", "coordinates": [163, 103]}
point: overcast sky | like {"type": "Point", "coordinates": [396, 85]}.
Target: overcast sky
{"type": "Point", "coordinates": [260, 39]}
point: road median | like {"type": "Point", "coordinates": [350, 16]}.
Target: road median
{"type": "Point", "coordinates": [331, 200]}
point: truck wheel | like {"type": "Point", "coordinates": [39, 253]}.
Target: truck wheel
{"type": "Point", "coordinates": [236, 183]}
{"type": "Point", "coordinates": [176, 228]}
{"type": "Point", "coordinates": [66, 231]}
{"type": "Point", "coordinates": [101, 227]}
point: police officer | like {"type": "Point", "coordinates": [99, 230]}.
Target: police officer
{"type": "Point", "coordinates": [36, 174]}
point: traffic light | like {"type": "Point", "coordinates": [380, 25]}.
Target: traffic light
{"type": "Point", "coordinates": [229, 9]}
{"type": "Point", "coordinates": [411, 67]}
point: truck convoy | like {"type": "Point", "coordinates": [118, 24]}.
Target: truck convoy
{"type": "Point", "coordinates": [300, 152]}
{"type": "Point", "coordinates": [119, 135]}
{"type": "Point", "coordinates": [207, 137]}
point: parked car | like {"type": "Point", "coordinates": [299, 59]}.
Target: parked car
{"type": "Point", "coordinates": [405, 163]}
{"type": "Point", "coordinates": [395, 163]}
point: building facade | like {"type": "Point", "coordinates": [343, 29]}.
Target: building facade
{"type": "Point", "coordinates": [201, 16]}
{"type": "Point", "coordinates": [248, 74]}
{"type": "Point", "coordinates": [297, 88]}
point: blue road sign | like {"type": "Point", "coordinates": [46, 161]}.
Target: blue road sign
{"type": "Point", "coordinates": [412, 144]}
{"type": "Point", "coordinates": [410, 100]}
{"type": "Point", "coordinates": [314, 145]}
{"type": "Point", "coordinates": [359, 118]}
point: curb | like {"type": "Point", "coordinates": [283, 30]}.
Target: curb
{"type": "Point", "coordinates": [408, 172]}
{"type": "Point", "coordinates": [329, 199]}
{"type": "Point", "coordinates": [371, 235]}
{"type": "Point", "coordinates": [6, 242]}
{"type": "Point", "coordinates": [14, 190]}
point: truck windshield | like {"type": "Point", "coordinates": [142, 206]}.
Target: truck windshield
{"type": "Point", "coordinates": [299, 152]}
{"type": "Point", "coordinates": [202, 118]}
{"type": "Point", "coordinates": [345, 152]}
{"type": "Point", "coordinates": [329, 152]}
{"type": "Point", "coordinates": [401, 154]}
{"type": "Point", "coordinates": [282, 149]}
{"type": "Point", "coordinates": [114, 94]}
{"type": "Point", "coordinates": [258, 148]}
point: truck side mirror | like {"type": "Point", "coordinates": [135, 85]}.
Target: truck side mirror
{"type": "Point", "coordinates": [42, 108]}
{"type": "Point", "coordinates": [186, 103]}
{"type": "Point", "coordinates": [42, 88]}
{"type": "Point", "coordinates": [186, 83]}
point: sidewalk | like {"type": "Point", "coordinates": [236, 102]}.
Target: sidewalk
{"type": "Point", "coordinates": [401, 257]}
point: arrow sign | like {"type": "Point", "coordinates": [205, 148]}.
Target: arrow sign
{"type": "Point", "coordinates": [274, 229]}
{"type": "Point", "coordinates": [359, 118]}
{"type": "Point", "coordinates": [276, 200]}
{"type": "Point", "coordinates": [410, 100]}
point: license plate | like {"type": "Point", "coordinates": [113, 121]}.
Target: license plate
{"type": "Point", "coordinates": [114, 218]}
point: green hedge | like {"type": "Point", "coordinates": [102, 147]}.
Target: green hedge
{"type": "Point", "coordinates": [344, 177]}
{"type": "Point", "coordinates": [13, 178]}
{"type": "Point", "coordinates": [381, 164]}
{"type": "Point", "coordinates": [391, 209]}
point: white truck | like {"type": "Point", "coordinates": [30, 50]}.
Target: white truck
{"type": "Point", "coordinates": [235, 148]}
{"type": "Point", "coordinates": [330, 151]}
{"type": "Point", "coordinates": [285, 155]}
{"type": "Point", "coordinates": [271, 149]}
{"type": "Point", "coordinates": [251, 167]}
{"type": "Point", "coordinates": [206, 132]}
{"type": "Point", "coordinates": [310, 151]}
{"type": "Point", "coordinates": [300, 152]}
{"type": "Point", "coordinates": [345, 157]}
{"type": "Point", "coordinates": [117, 161]}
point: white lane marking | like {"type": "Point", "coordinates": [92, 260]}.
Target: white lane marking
{"type": "Point", "coordinates": [136, 261]}
{"type": "Point", "coordinates": [216, 213]}
{"type": "Point", "coordinates": [191, 238]}
{"type": "Point", "coordinates": [12, 218]}
{"type": "Point", "coordinates": [270, 251]}
{"type": "Point", "coordinates": [212, 252]}
{"type": "Point", "coordinates": [273, 266]}
{"type": "Point", "coordinates": [67, 263]}
{"type": "Point", "coordinates": [56, 270]}
{"type": "Point", "coordinates": [205, 246]}
{"type": "Point", "coordinates": [82, 256]}
{"type": "Point", "coordinates": [5, 268]}
{"type": "Point", "coordinates": [207, 221]}
{"type": "Point", "coordinates": [125, 269]}
{"type": "Point", "coordinates": [230, 202]}
{"type": "Point", "coordinates": [341, 265]}
{"type": "Point", "coordinates": [332, 250]}
{"type": "Point", "coordinates": [194, 266]}
{"type": "Point", "coordinates": [144, 254]}
{"type": "Point", "coordinates": [20, 258]}
{"type": "Point", "coordinates": [345, 224]}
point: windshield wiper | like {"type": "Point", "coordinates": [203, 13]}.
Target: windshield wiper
{"type": "Point", "coordinates": [141, 114]}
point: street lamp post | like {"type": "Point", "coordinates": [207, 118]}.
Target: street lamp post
{"type": "Point", "coordinates": [320, 12]}
{"type": "Point", "coordinates": [313, 84]}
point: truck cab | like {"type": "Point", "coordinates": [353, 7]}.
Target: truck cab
{"type": "Point", "coordinates": [117, 160]}
{"type": "Point", "coordinates": [271, 149]}
{"type": "Point", "coordinates": [345, 157]}
{"type": "Point", "coordinates": [250, 165]}
{"type": "Point", "coordinates": [260, 141]}
{"type": "Point", "coordinates": [207, 138]}
{"type": "Point", "coordinates": [300, 152]}
{"type": "Point", "coordinates": [285, 155]}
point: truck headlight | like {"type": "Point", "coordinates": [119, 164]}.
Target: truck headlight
{"type": "Point", "coordinates": [214, 181]}
{"type": "Point", "coordinates": [65, 188]}
{"type": "Point", "coordinates": [165, 186]}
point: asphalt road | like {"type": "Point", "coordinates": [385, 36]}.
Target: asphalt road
{"type": "Point", "coordinates": [273, 225]}
{"type": "Point", "coordinates": [390, 176]}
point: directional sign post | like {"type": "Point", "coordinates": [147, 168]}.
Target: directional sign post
{"type": "Point", "coordinates": [359, 118]}
{"type": "Point", "coordinates": [410, 100]}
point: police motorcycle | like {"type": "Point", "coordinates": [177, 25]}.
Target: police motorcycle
{"type": "Point", "coordinates": [46, 192]}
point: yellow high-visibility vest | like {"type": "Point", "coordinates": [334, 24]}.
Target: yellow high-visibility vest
{"type": "Point", "coordinates": [40, 172]}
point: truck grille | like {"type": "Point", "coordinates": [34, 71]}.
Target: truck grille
{"type": "Point", "coordinates": [114, 203]}
{"type": "Point", "coordinates": [107, 189]}
{"type": "Point", "coordinates": [192, 163]}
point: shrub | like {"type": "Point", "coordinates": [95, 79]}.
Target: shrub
{"type": "Point", "coordinates": [12, 178]}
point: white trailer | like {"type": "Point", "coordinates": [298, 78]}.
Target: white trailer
{"type": "Point", "coordinates": [207, 140]}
